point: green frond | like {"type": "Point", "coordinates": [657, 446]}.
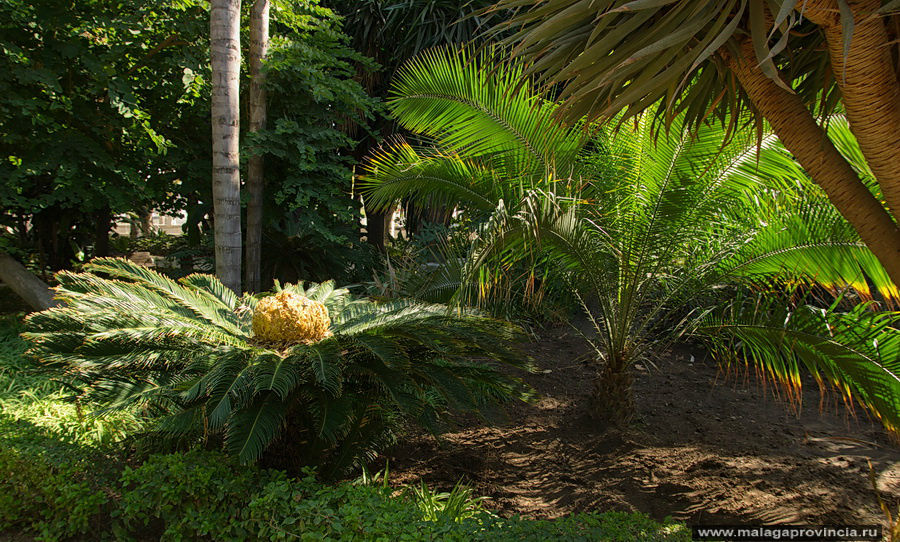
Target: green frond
{"type": "Point", "coordinates": [209, 306]}
{"type": "Point", "coordinates": [473, 106]}
{"type": "Point", "coordinates": [396, 171]}
{"type": "Point", "coordinates": [250, 430]}
{"type": "Point", "coordinates": [857, 352]}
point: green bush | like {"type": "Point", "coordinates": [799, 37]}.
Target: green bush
{"type": "Point", "coordinates": [189, 496]}
{"type": "Point", "coordinates": [201, 495]}
{"type": "Point", "coordinates": [47, 486]}
{"type": "Point", "coordinates": [185, 352]}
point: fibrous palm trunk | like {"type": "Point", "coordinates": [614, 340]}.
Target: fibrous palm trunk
{"type": "Point", "coordinates": [807, 141]}
{"type": "Point", "coordinates": [612, 401]}
{"type": "Point", "coordinates": [259, 45]}
{"type": "Point", "coordinates": [225, 53]}
{"type": "Point", "coordinates": [869, 89]}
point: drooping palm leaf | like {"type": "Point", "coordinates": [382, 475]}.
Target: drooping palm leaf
{"type": "Point", "coordinates": [856, 352]}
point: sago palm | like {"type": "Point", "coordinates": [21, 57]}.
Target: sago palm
{"type": "Point", "coordinates": [646, 230]}
{"type": "Point", "coordinates": [511, 144]}
{"type": "Point", "coordinates": [319, 373]}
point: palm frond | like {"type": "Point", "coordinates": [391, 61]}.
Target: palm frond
{"type": "Point", "coordinates": [857, 352]}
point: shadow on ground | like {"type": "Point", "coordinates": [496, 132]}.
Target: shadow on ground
{"type": "Point", "coordinates": [705, 449]}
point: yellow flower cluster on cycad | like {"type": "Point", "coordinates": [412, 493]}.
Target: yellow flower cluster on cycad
{"type": "Point", "coordinates": [287, 317]}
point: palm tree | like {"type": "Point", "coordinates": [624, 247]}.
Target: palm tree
{"type": "Point", "coordinates": [391, 32]}
{"type": "Point", "coordinates": [646, 231]}
{"type": "Point", "coordinates": [189, 354]}
{"type": "Point", "coordinates": [225, 52]}
{"type": "Point", "coordinates": [721, 59]}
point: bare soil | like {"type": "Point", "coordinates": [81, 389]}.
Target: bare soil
{"type": "Point", "coordinates": [707, 447]}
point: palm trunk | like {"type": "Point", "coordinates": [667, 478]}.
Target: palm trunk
{"type": "Point", "coordinates": [869, 88]}
{"type": "Point", "coordinates": [25, 284]}
{"type": "Point", "coordinates": [808, 142]}
{"type": "Point", "coordinates": [612, 402]}
{"type": "Point", "coordinates": [225, 52]}
{"type": "Point", "coordinates": [259, 45]}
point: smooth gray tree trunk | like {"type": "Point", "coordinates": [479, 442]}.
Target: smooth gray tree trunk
{"type": "Point", "coordinates": [225, 53]}
{"type": "Point", "coordinates": [25, 284]}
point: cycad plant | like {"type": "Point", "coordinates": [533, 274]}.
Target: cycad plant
{"type": "Point", "coordinates": [480, 135]}
{"type": "Point", "coordinates": [654, 232]}
{"type": "Point", "coordinates": [320, 375]}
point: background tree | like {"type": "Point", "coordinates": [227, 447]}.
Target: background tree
{"type": "Point", "coordinates": [311, 219]}
{"type": "Point", "coordinates": [718, 60]}
{"type": "Point", "coordinates": [391, 32]}
{"type": "Point", "coordinates": [225, 56]}
{"type": "Point", "coordinates": [259, 46]}
{"type": "Point", "coordinates": [93, 99]}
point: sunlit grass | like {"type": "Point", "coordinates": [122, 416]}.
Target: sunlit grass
{"type": "Point", "coordinates": [32, 396]}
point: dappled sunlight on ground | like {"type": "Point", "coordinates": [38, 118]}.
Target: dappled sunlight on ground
{"type": "Point", "coordinates": [705, 448]}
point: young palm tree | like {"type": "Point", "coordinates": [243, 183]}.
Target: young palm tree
{"type": "Point", "coordinates": [323, 375]}
{"type": "Point", "coordinates": [645, 232]}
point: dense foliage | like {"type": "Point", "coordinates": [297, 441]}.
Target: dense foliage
{"type": "Point", "coordinates": [121, 95]}
{"type": "Point", "coordinates": [648, 229]}
{"type": "Point", "coordinates": [108, 92]}
{"type": "Point", "coordinates": [311, 230]}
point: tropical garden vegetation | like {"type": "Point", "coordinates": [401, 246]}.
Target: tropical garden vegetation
{"type": "Point", "coordinates": [652, 174]}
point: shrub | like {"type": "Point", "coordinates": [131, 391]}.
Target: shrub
{"type": "Point", "coordinates": [50, 487]}
{"type": "Point", "coordinates": [188, 496]}
{"type": "Point", "coordinates": [185, 350]}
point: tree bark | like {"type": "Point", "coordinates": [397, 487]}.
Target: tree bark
{"type": "Point", "coordinates": [103, 223]}
{"type": "Point", "coordinates": [807, 141]}
{"type": "Point", "coordinates": [225, 53]}
{"type": "Point", "coordinates": [869, 87]}
{"type": "Point", "coordinates": [259, 46]}
{"type": "Point", "coordinates": [612, 400]}
{"type": "Point", "coordinates": [25, 284]}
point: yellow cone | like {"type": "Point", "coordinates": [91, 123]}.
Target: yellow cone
{"type": "Point", "coordinates": [290, 318]}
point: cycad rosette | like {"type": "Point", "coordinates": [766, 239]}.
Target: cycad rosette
{"type": "Point", "coordinates": [329, 386]}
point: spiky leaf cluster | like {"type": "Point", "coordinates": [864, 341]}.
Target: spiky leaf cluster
{"type": "Point", "coordinates": [183, 351]}
{"type": "Point", "coordinates": [649, 227]}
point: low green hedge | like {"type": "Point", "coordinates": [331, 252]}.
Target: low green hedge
{"type": "Point", "coordinates": [200, 495]}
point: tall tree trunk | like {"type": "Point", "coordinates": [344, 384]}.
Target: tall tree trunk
{"type": "Point", "coordinates": [225, 52]}
{"type": "Point", "coordinates": [807, 141]}
{"type": "Point", "coordinates": [259, 45]}
{"type": "Point", "coordinates": [103, 223]}
{"type": "Point", "coordinates": [869, 88]}
{"type": "Point", "coordinates": [376, 227]}
{"type": "Point", "coordinates": [25, 284]}
{"type": "Point", "coordinates": [145, 222]}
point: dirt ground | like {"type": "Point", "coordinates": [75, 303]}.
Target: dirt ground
{"type": "Point", "coordinates": [706, 448]}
